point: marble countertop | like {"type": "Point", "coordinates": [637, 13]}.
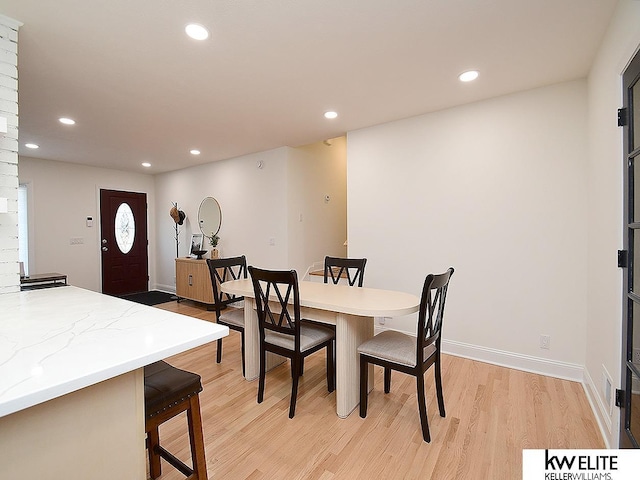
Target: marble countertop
{"type": "Point", "coordinates": [59, 340]}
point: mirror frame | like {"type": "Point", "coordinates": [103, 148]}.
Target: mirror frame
{"type": "Point", "coordinates": [203, 222]}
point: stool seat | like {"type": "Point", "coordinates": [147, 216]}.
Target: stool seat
{"type": "Point", "coordinates": [166, 386]}
{"type": "Point", "coordinates": [169, 391]}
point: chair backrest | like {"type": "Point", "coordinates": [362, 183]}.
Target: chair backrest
{"type": "Point", "coordinates": [431, 313]}
{"type": "Point", "coordinates": [224, 270]}
{"type": "Point", "coordinates": [350, 268]}
{"type": "Point", "coordinates": [277, 301]}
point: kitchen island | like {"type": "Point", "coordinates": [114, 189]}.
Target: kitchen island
{"type": "Point", "coordinates": [72, 384]}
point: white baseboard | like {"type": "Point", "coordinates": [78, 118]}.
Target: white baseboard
{"type": "Point", "coordinates": [527, 363]}
{"type": "Point", "coordinates": [600, 410]}
{"type": "Point", "coordinates": [165, 288]}
{"type": "Point", "coordinates": [541, 366]}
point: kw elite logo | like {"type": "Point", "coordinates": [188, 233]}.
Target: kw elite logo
{"type": "Point", "coordinates": [579, 467]}
{"type": "Point", "coordinates": [580, 464]}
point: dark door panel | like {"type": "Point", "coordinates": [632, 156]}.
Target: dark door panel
{"type": "Point", "coordinates": [123, 224]}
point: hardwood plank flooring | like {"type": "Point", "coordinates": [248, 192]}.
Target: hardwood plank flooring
{"type": "Point", "coordinates": [492, 414]}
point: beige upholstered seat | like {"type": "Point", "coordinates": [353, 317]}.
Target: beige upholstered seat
{"type": "Point", "coordinates": [310, 337]}
{"type": "Point", "coordinates": [233, 316]}
{"type": "Point", "coordinates": [411, 355]}
{"type": "Point", "coordinates": [395, 347]}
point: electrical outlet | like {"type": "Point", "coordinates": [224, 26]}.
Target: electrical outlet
{"type": "Point", "coordinates": [545, 342]}
{"type": "Point", "coordinates": [636, 356]}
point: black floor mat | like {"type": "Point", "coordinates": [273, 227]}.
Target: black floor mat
{"type": "Point", "coordinates": [153, 297]}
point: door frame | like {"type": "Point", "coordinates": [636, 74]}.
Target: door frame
{"type": "Point", "coordinates": [98, 234]}
{"type": "Point", "coordinates": [631, 225]}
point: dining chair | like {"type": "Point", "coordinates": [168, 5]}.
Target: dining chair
{"type": "Point", "coordinates": [352, 269]}
{"type": "Point", "coordinates": [169, 391]}
{"type": "Point", "coordinates": [395, 350]}
{"type": "Point", "coordinates": [282, 331]}
{"type": "Point", "coordinates": [224, 270]}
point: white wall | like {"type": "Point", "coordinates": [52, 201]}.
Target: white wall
{"type": "Point", "coordinates": [605, 169]}
{"type": "Point", "coordinates": [9, 270]}
{"type": "Point", "coordinates": [61, 196]}
{"type": "Point", "coordinates": [496, 189]}
{"type": "Point", "coordinates": [252, 200]}
{"type": "Point", "coordinates": [317, 227]}
{"type": "Point", "coordinates": [259, 204]}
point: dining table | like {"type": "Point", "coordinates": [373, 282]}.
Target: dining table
{"type": "Point", "coordinates": [351, 309]}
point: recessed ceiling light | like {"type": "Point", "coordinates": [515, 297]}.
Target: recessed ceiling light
{"type": "Point", "coordinates": [146, 164]}
{"type": "Point", "coordinates": [194, 152]}
{"type": "Point", "coordinates": [330, 114]}
{"type": "Point", "coordinates": [67, 121]}
{"type": "Point", "coordinates": [197, 31]}
{"type": "Point", "coordinates": [31, 145]}
{"type": "Point", "coordinates": [469, 76]}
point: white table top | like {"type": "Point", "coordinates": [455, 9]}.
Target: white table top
{"type": "Point", "coordinates": [59, 340]}
{"type": "Point", "coordinates": [368, 302]}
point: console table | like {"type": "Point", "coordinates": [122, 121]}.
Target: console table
{"type": "Point", "coordinates": [193, 280]}
{"type": "Point", "coordinates": [43, 280]}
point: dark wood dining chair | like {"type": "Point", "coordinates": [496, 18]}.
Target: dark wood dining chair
{"type": "Point", "coordinates": [395, 350]}
{"type": "Point", "coordinates": [351, 269]}
{"type": "Point", "coordinates": [224, 270]}
{"type": "Point", "coordinates": [169, 391]}
{"type": "Point", "coordinates": [282, 331]}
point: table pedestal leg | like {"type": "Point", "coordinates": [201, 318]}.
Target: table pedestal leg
{"type": "Point", "coordinates": [351, 331]}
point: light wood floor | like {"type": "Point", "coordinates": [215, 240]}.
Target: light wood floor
{"type": "Point", "coordinates": [492, 414]}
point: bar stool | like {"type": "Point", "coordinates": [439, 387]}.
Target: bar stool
{"type": "Point", "coordinates": [169, 391]}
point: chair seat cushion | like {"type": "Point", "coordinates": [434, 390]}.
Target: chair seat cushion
{"type": "Point", "coordinates": [232, 316]}
{"type": "Point", "coordinates": [395, 347]}
{"type": "Point", "coordinates": [310, 336]}
{"type": "Point", "coordinates": [166, 386]}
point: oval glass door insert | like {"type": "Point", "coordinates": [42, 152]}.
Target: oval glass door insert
{"type": "Point", "coordinates": [125, 228]}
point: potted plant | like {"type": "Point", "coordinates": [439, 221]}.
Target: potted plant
{"type": "Point", "coordinates": [213, 240]}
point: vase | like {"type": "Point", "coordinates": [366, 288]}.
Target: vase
{"type": "Point", "coordinates": [214, 253]}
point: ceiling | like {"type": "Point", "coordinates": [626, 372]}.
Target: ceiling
{"type": "Point", "coordinates": [141, 91]}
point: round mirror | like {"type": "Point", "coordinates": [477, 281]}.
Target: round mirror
{"type": "Point", "coordinates": [209, 217]}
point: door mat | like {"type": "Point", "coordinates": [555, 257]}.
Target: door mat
{"type": "Point", "coordinates": [153, 297]}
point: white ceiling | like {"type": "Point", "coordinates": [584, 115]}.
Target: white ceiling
{"type": "Point", "coordinates": [140, 90]}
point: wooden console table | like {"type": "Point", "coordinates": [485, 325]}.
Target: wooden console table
{"type": "Point", "coordinates": [193, 280]}
{"type": "Point", "coordinates": [43, 280]}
